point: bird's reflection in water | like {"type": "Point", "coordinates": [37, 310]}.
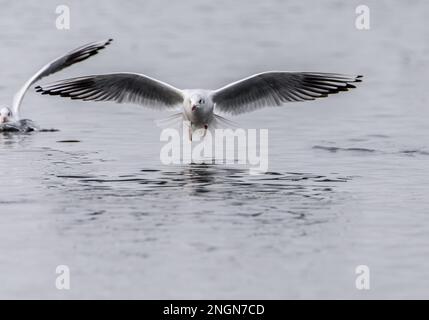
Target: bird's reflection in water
{"type": "Point", "coordinates": [203, 178]}
{"type": "Point", "coordinates": [230, 182]}
{"type": "Point", "coordinates": [209, 191]}
{"type": "Point", "coordinates": [10, 139]}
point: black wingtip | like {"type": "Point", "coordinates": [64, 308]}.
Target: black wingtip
{"type": "Point", "coordinates": [40, 90]}
{"type": "Point", "coordinates": [108, 42]}
{"type": "Point", "coordinates": [358, 78]}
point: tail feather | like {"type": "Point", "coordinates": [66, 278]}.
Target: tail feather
{"type": "Point", "coordinates": [177, 121]}
{"type": "Point", "coordinates": [223, 123]}
{"type": "Point", "coordinates": [173, 121]}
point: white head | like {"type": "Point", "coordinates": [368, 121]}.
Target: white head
{"type": "Point", "coordinates": [6, 114]}
{"type": "Point", "coordinates": [197, 101]}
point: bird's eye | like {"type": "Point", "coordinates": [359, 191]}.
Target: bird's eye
{"type": "Point", "coordinates": [9, 114]}
{"type": "Point", "coordinates": [201, 101]}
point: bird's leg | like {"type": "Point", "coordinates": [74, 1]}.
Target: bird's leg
{"type": "Point", "coordinates": [205, 130]}
{"type": "Point", "coordinates": [190, 131]}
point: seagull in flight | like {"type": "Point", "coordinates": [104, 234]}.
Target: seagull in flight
{"type": "Point", "coordinates": [199, 107]}
{"type": "Point", "coordinates": [11, 116]}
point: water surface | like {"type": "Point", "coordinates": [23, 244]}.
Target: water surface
{"type": "Point", "coordinates": [347, 182]}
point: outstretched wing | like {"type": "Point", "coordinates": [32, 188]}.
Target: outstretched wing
{"type": "Point", "coordinates": [276, 88]}
{"type": "Point", "coordinates": [117, 87]}
{"type": "Point", "coordinates": [75, 56]}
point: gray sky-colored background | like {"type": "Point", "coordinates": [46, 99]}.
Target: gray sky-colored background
{"type": "Point", "coordinates": [351, 171]}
